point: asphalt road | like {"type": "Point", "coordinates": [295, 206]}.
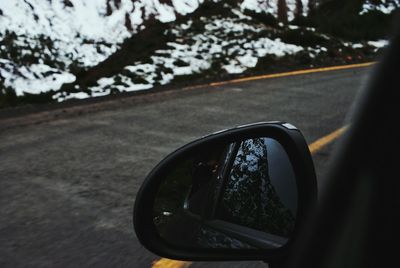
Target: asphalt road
{"type": "Point", "coordinates": [68, 183]}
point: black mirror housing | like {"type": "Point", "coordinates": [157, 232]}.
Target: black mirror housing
{"type": "Point", "coordinates": [299, 155]}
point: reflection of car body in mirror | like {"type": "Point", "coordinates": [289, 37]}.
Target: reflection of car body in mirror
{"type": "Point", "coordinates": [204, 173]}
{"type": "Point", "coordinates": [245, 188]}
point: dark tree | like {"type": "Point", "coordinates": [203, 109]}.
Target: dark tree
{"type": "Point", "coordinates": [299, 9]}
{"type": "Point", "coordinates": [311, 6]}
{"type": "Point", "coordinates": [282, 11]}
{"type": "Point", "coordinates": [128, 22]}
{"type": "Point", "coordinates": [68, 3]}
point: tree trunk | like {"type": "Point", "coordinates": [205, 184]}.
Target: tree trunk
{"type": "Point", "coordinates": [299, 9]}
{"type": "Point", "coordinates": [311, 6]}
{"type": "Point", "coordinates": [282, 11]}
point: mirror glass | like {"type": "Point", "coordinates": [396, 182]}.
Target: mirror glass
{"type": "Point", "coordinates": [237, 195]}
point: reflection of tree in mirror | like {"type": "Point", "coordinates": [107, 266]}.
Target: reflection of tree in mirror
{"type": "Point", "coordinates": [249, 198]}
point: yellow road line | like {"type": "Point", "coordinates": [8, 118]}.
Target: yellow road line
{"type": "Point", "coordinates": [299, 72]}
{"type": "Point", "coordinates": [50, 114]}
{"type": "Point", "coordinates": [322, 142]}
{"type": "Point", "coordinates": [167, 263]}
{"type": "Point", "coordinates": [293, 73]}
{"type": "Point", "coordinates": [314, 148]}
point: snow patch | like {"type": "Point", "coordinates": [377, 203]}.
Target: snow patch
{"type": "Point", "coordinates": [35, 79]}
{"type": "Point", "coordinates": [379, 43]}
{"type": "Point", "coordinates": [271, 7]}
{"type": "Point", "coordinates": [386, 6]}
{"type": "Point", "coordinates": [79, 35]}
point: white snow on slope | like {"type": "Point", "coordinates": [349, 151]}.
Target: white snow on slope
{"type": "Point", "coordinates": [31, 78]}
{"type": "Point", "coordinates": [196, 53]}
{"type": "Point", "coordinates": [271, 7]}
{"type": "Point", "coordinates": [386, 6]}
{"type": "Point", "coordinates": [84, 32]}
{"type": "Point", "coordinates": [86, 18]}
{"type": "Point", "coordinates": [255, 49]}
{"type": "Point", "coordinates": [379, 43]}
{"type": "Point", "coordinates": [89, 31]}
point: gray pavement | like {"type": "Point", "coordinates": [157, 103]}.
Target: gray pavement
{"type": "Point", "coordinates": [68, 184]}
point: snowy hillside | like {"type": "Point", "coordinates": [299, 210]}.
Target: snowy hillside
{"type": "Point", "coordinates": [385, 6]}
{"type": "Point", "coordinates": [231, 44]}
{"type": "Point", "coordinates": [63, 34]}
{"type": "Point", "coordinates": [54, 46]}
{"type": "Point", "coordinates": [271, 7]}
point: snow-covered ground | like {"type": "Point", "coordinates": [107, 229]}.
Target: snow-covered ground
{"type": "Point", "coordinates": [110, 21]}
{"type": "Point", "coordinates": [81, 32]}
{"type": "Point", "coordinates": [44, 43]}
{"type": "Point", "coordinates": [385, 6]}
{"type": "Point", "coordinates": [232, 44]}
{"type": "Point", "coordinates": [271, 7]}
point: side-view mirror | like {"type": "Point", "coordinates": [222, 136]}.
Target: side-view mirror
{"type": "Point", "coordinates": [238, 194]}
